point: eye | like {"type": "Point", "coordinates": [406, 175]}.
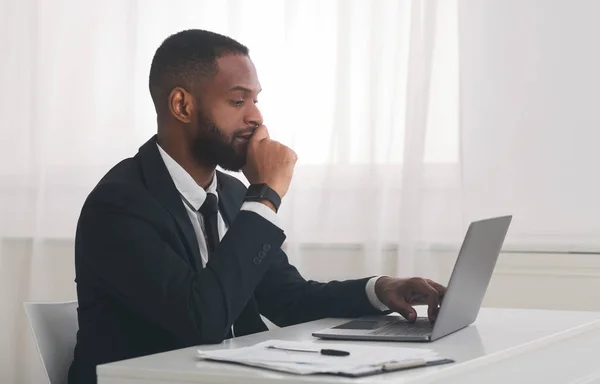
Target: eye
{"type": "Point", "coordinates": [236, 103]}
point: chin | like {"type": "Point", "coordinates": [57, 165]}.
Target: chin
{"type": "Point", "coordinates": [234, 165]}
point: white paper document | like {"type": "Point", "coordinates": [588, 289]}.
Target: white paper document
{"type": "Point", "coordinates": [362, 359]}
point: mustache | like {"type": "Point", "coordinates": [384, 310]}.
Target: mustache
{"type": "Point", "coordinates": [246, 132]}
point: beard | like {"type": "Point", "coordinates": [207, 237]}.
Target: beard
{"type": "Point", "coordinates": [212, 147]}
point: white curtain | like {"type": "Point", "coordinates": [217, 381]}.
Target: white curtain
{"type": "Point", "coordinates": [366, 92]}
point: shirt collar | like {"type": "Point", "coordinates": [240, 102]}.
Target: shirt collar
{"type": "Point", "coordinates": [191, 192]}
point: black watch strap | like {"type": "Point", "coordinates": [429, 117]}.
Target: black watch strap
{"type": "Point", "coordinates": [259, 192]}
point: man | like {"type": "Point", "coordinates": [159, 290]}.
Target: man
{"type": "Point", "coordinates": [171, 253]}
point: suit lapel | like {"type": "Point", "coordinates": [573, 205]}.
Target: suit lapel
{"type": "Point", "coordinates": [161, 185]}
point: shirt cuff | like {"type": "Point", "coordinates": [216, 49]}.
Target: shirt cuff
{"type": "Point", "coordinates": [370, 288]}
{"type": "Point", "coordinates": [263, 210]}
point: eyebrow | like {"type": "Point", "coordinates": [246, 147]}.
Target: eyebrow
{"type": "Point", "coordinates": [243, 89]}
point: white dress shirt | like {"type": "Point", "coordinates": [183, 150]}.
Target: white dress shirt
{"type": "Point", "coordinates": [193, 197]}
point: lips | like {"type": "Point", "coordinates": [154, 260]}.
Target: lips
{"type": "Point", "coordinates": [246, 135]}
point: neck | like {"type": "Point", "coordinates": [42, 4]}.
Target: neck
{"type": "Point", "coordinates": [201, 173]}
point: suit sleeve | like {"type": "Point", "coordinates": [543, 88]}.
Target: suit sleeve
{"type": "Point", "coordinates": [132, 261]}
{"type": "Point", "coordinates": [286, 298]}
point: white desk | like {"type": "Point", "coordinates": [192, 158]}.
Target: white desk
{"type": "Point", "coordinates": [504, 345]}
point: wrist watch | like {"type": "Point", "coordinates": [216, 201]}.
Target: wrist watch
{"type": "Point", "coordinates": [259, 192]}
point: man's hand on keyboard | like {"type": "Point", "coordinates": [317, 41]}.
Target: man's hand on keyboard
{"type": "Point", "coordinates": [400, 295]}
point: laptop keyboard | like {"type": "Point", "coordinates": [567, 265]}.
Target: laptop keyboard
{"type": "Point", "coordinates": [421, 327]}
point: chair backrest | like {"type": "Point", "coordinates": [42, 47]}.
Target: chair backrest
{"type": "Point", "coordinates": [54, 327]}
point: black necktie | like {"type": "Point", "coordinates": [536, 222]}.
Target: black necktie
{"type": "Point", "coordinates": [209, 211]}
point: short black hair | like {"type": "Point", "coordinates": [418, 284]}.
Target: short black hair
{"type": "Point", "coordinates": [185, 58]}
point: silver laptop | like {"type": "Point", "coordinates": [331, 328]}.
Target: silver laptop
{"type": "Point", "coordinates": [467, 286]}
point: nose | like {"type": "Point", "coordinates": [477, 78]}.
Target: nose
{"type": "Point", "coordinates": [253, 116]}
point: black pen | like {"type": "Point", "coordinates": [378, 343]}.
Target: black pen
{"type": "Point", "coordinates": [326, 352]}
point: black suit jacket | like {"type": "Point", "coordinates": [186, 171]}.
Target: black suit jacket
{"type": "Point", "coordinates": [141, 287]}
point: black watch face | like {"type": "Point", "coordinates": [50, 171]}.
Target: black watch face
{"type": "Point", "coordinates": [256, 191]}
{"type": "Point", "coordinates": [263, 190]}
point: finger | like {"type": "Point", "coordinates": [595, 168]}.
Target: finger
{"type": "Point", "coordinates": [403, 308]}
{"type": "Point", "coordinates": [260, 133]}
{"type": "Point", "coordinates": [294, 156]}
{"type": "Point", "coordinates": [432, 306]}
{"type": "Point", "coordinates": [433, 300]}
{"type": "Point", "coordinates": [417, 298]}
{"type": "Point", "coordinates": [438, 287]}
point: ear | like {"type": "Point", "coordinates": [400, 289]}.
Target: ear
{"type": "Point", "coordinates": [181, 105]}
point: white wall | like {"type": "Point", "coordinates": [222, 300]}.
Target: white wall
{"type": "Point", "coordinates": [530, 118]}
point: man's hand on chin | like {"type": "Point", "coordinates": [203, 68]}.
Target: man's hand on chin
{"type": "Point", "coordinates": [400, 294]}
